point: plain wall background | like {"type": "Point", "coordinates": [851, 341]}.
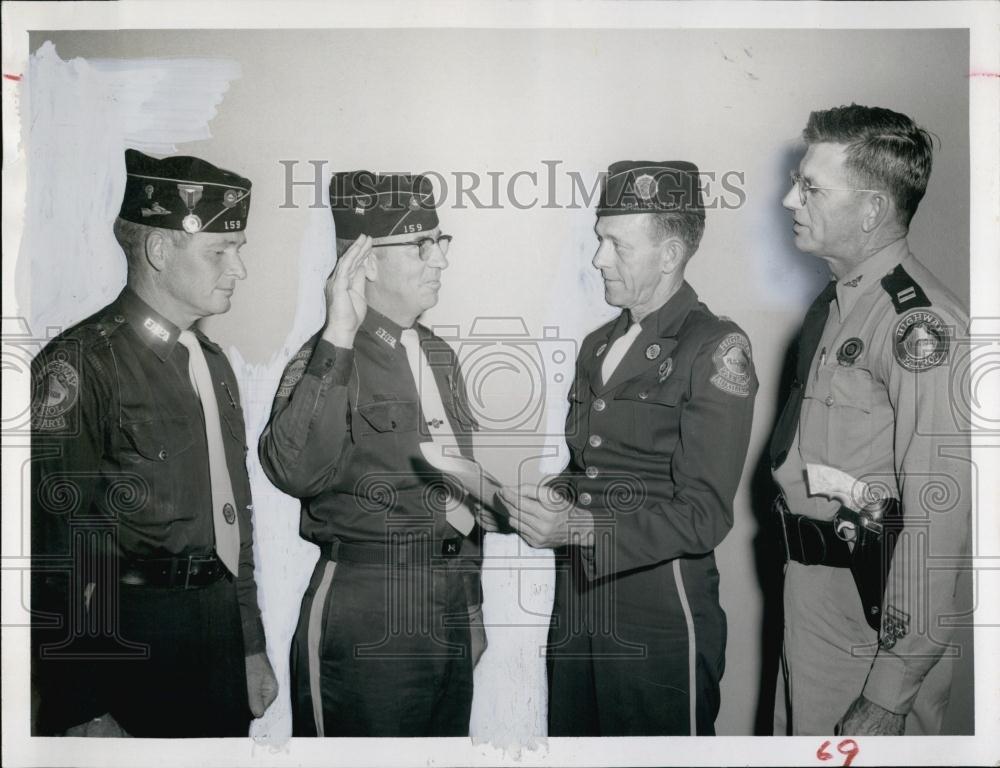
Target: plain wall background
{"type": "Point", "coordinates": [505, 101]}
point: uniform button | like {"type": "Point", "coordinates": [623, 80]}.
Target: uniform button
{"type": "Point", "coordinates": [599, 405]}
{"type": "Point", "coordinates": [643, 395]}
{"type": "Point", "coordinates": [829, 400]}
{"type": "Point", "coordinates": [585, 499]}
{"type": "Point", "coordinates": [119, 319]}
{"type": "Point", "coordinates": [328, 363]}
{"type": "Point", "coordinates": [595, 441]}
{"type": "Point", "coordinates": [592, 472]}
{"type": "Point", "coordinates": [162, 455]}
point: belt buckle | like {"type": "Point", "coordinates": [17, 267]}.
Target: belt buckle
{"type": "Point", "coordinates": [187, 572]}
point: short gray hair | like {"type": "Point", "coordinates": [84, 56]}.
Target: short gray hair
{"type": "Point", "coordinates": [131, 236]}
{"type": "Point", "coordinates": [689, 227]}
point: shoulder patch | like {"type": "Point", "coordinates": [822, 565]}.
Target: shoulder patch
{"type": "Point", "coordinates": [56, 391]}
{"type": "Point", "coordinates": [904, 291]}
{"type": "Point", "coordinates": [920, 340]}
{"type": "Point", "coordinates": [732, 365]}
{"type": "Point", "coordinates": [294, 372]}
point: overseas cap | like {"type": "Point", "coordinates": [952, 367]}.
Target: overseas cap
{"type": "Point", "coordinates": [380, 205]}
{"type": "Point", "coordinates": [644, 186]}
{"type": "Point", "coordinates": [185, 193]}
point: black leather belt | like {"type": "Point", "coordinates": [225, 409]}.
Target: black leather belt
{"type": "Point", "coordinates": [180, 572]}
{"type": "Point", "coordinates": [810, 541]}
{"type": "Point", "coordinates": [397, 554]}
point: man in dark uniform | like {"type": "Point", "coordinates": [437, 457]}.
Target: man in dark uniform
{"type": "Point", "coordinates": [145, 607]}
{"type": "Point", "coordinates": [383, 645]}
{"type": "Point", "coordinates": [871, 399]}
{"type": "Point", "coordinates": [658, 427]}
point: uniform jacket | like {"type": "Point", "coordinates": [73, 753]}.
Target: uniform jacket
{"type": "Point", "coordinates": [657, 452]}
{"type": "Point", "coordinates": [120, 461]}
{"type": "Point", "coordinates": [880, 404]}
{"type": "Point", "coordinates": [344, 437]}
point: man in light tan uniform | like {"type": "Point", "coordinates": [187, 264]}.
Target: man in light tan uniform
{"type": "Point", "coordinates": [872, 399]}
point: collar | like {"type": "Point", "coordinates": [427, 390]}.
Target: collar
{"type": "Point", "coordinates": [152, 328]}
{"type": "Point", "coordinates": [387, 332]}
{"type": "Point", "coordinates": [868, 273]}
{"type": "Point", "coordinates": [670, 317]}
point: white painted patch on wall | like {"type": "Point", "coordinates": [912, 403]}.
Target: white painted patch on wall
{"type": "Point", "coordinates": [70, 264]}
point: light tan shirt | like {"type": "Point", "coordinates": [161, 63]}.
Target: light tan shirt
{"type": "Point", "coordinates": [883, 403]}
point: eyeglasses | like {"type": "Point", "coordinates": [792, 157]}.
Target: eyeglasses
{"type": "Point", "coordinates": [805, 188]}
{"type": "Point", "coordinates": [425, 244]}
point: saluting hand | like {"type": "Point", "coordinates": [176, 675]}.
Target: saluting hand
{"type": "Point", "coordinates": [345, 295]}
{"type": "Point", "coordinates": [544, 518]}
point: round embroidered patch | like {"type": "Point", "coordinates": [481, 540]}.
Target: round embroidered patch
{"type": "Point", "coordinates": [56, 394]}
{"type": "Point", "coordinates": [294, 372]}
{"type": "Point", "coordinates": [732, 365]}
{"type": "Point", "coordinates": [850, 350]}
{"type": "Point", "coordinates": [920, 341]}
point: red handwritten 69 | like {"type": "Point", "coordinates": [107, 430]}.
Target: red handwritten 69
{"type": "Point", "coordinates": [848, 747]}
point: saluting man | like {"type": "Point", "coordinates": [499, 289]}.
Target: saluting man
{"type": "Point", "coordinates": [871, 399]}
{"type": "Point", "coordinates": [658, 427]}
{"type": "Point", "coordinates": [383, 645]}
{"type": "Point", "coordinates": [146, 618]}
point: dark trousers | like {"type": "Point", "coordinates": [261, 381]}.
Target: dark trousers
{"type": "Point", "coordinates": [170, 664]}
{"type": "Point", "coordinates": [382, 651]}
{"type": "Point", "coordinates": [636, 655]}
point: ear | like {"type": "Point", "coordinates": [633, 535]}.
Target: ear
{"type": "Point", "coordinates": [876, 211]}
{"type": "Point", "coordinates": [672, 253]}
{"type": "Point", "coordinates": [157, 250]}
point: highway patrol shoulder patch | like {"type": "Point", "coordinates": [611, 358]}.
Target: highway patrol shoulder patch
{"type": "Point", "coordinates": [294, 372]}
{"type": "Point", "coordinates": [56, 392]}
{"type": "Point", "coordinates": [732, 365]}
{"type": "Point", "coordinates": [920, 340]}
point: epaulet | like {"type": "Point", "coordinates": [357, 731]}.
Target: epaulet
{"type": "Point", "coordinates": [904, 291]}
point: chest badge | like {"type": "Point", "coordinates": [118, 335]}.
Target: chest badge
{"type": "Point", "coordinates": [665, 369]}
{"type": "Point", "coordinates": [850, 350]}
{"type": "Point", "coordinates": [600, 349]}
{"type": "Point", "coordinates": [652, 351]}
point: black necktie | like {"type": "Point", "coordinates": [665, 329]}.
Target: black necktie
{"type": "Point", "coordinates": [812, 330]}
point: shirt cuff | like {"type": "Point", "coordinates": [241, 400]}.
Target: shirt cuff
{"type": "Point", "coordinates": [331, 363]}
{"type": "Point", "coordinates": [253, 637]}
{"type": "Point", "coordinates": [889, 685]}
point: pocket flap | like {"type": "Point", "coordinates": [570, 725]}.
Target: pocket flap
{"type": "Point", "coordinates": [646, 392]}
{"type": "Point", "coordinates": [160, 439]}
{"type": "Point", "coordinates": [391, 415]}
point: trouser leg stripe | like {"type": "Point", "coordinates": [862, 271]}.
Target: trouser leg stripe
{"type": "Point", "coordinates": [316, 611]}
{"type": "Point", "coordinates": [692, 649]}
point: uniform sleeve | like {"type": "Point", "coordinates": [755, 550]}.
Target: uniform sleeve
{"type": "Point", "coordinates": [933, 477]}
{"type": "Point", "coordinates": [67, 437]}
{"type": "Point", "coordinates": [304, 443]}
{"type": "Point", "coordinates": [705, 468]}
{"type": "Point", "coordinates": [472, 547]}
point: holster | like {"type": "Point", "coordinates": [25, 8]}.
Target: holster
{"type": "Point", "coordinates": [872, 556]}
{"type": "Point", "coordinates": [815, 542]}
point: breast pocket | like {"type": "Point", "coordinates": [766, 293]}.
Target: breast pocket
{"type": "Point", "coordinates": [846, 408]}
{"type": "Point", "coordinates": [153, 460]}
{"type": "Point", "coordinates": [654, 414]}
{"type": "Point", "coordinates": [388, 416]}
